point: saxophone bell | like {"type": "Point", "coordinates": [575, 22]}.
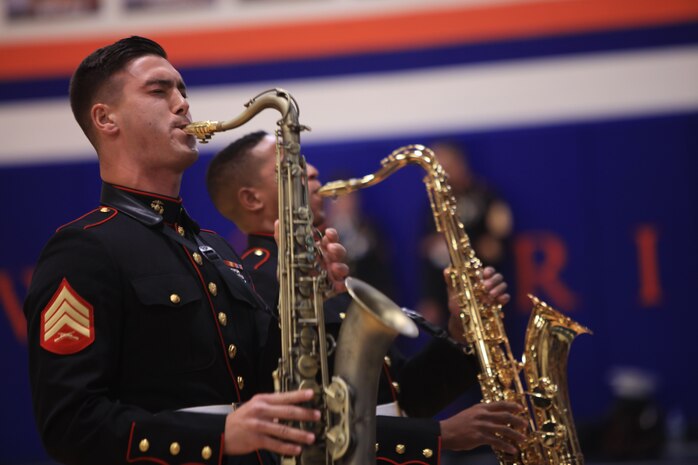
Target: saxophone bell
{"type": "Point", "coordinates": [372, 322]}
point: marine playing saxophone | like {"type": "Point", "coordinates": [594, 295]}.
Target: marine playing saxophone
{"type": "Point", "coordinates": [551, 438]}
{"type": "Point", "coordinates": [347, 402]}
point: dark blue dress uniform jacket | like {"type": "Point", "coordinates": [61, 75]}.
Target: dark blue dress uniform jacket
{"type": "Point", "coordinates": [166, 329]}
{"type": "Point", "coordinates": [423, 385]}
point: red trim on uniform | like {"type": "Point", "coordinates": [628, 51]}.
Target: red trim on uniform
{"type": "Point", "coordinates": [113, 214]}
{"type": "Point", "coordinates": [267, 254]}
{"type": "Point", "coordinates": [152, 459]}
{"type": "Point", "coordinates": [410, 462]}
{"type": "Point", "coordinates": [390, 381]}
{"type": "Point", "coordinates": [209, 231]}
{"type": "Point", "coordinates": [215, 319]}
{"type": "Point", "coordinates": [77, 219]}
{"type": "Point", "coordinates": [149, 459]}
{"type": "Point", "coordinates": [265, 234]}
{"type": "Point", "coordinates": [130, 441]}
{"type": "Point", "coordinates": [149, 194]}
{"type": "Point", "coordinates": [220, 449]}
{"type": "Point", "coordinates": [259, 457]}
{"type": "Point", "coordinates": [139, 459]}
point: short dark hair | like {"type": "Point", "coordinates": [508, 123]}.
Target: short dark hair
{"type": "Point", "coordinates": [96, 70]}
{"type": "Point", "coordinates": [230, 167]}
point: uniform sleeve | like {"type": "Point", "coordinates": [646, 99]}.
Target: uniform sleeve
{"type": "Point", "coordinates": [76, 295]}
{"type": "Point", "coordinates": [411, 441]}
{"type": "Point", "coordinates": [434, 377]}
{"type": "Point", "coordinates": [265, 282]}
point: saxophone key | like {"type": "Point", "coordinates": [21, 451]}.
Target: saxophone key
{"type": "Point", "coordinates": [307, 365]}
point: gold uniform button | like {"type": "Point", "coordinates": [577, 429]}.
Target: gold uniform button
{"type": "Point", "coordinates": [387, 360]}
{"type": "Point", "coordinates": [396, 386]}
{"type": "Point", "coordinates": [400, 449]}
{"type": "Point", "coordinates": [175, 299]}
{"type": "Point", "coordinates": [197, 258]}
{"type": "Point", "coordinates": [206, 453]}
{"type": "Point", "coordinates": [342, 315]}
{"type": "Point", "coordinates": [232, 351]}
{"type": "Point", "coordinates": [104, 210]}
{"type": "Point", "coordinates": [427, 453]}
{"type": "Point", "coordinates": [213, 289]}
{"type": "Point", "coordinates": [174, 448]}
{"type": "Point", "coordinates": [376, 447]}
{"type": "Point", "coordinates": [144, 445]}
{"type": "Point", "coordinates": [258, 253]}
{"type": "Point", "coordinates": [222, 319]}
{"type": "Point", "coordinates": [241, 382]}
{"type": "Point", "coordinates": [180, 230]}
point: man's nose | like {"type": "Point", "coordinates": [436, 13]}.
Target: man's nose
{"type": "Point", "coordinates": [181, 104]}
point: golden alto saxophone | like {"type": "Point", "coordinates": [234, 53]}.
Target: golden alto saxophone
{"type": "Point", "coordinates": [551, 438]}
{"type": "Point", "coordinates": [346, 431]}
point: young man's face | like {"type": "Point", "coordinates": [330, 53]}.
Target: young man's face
{"type": "Point", "coordinates": [151, 110]}
{"type": "Point", "coordinates": [268, 183]}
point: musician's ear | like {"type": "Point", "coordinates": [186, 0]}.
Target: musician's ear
{"type": "Point", "coordinates": [249, 199]}
{"type": "Point", "coordinates": [103, 119]}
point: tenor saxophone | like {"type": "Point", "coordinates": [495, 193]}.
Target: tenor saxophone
{"type": "Point", "coordinates": [551, 438]}
{"type": "Point", "coordinates": [347, 402]}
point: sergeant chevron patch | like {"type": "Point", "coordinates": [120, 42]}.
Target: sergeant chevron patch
{"type": "Point", "coordinates": [67, 322]}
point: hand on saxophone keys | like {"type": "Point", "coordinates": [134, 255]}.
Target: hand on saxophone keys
{"type": "Point", "coordinates": [333, 257]}
{"type": "Point", "coordinates": [496, 424]}
{"type": "Point", "coordinates": [262, 423]}
{"type": "Point", "coordinates": [495, 287]}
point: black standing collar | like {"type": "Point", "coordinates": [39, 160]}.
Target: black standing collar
{"type": "Point", "coordinates": [147, 207]}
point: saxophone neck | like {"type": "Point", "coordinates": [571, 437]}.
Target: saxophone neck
{"type": "Point", "coordinates": [341, 186]}
{"type": "Point", "coordinates": [410, 154]}
{"type": "Point", "coordinates": [277, 99]}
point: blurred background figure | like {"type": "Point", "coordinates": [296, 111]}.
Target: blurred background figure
{"type": "Point", "coordinates": [368, 253]}
{"type": "Point", "coordinates": [487, 219]}
{"type": "Point", "coordinates": [635, 425]}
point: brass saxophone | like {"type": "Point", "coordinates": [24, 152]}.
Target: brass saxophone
{"type": "Point", "coordinates": [346, 430]}
{"type": "Point", "coordinates": [551, 438]}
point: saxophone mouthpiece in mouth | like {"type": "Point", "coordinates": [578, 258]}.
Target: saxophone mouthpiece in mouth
{"type": "Point", "coordinates": [203, 130]}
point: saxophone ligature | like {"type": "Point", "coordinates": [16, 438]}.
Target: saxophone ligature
{"type": "Point", "coordinates": [551, 438]}
{"type": "Point", "coordinates": [347, 402]}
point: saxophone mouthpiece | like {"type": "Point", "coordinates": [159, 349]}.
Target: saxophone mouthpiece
{"type": "Point", "coordinates": [203, 130]}
{"type": "Point", "coordinates": [341, 187]}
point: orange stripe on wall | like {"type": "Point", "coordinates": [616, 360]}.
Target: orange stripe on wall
{"type": "Point", "coordinates": [356, 35]}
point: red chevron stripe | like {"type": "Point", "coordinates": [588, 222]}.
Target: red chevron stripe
{"type": "Point", "coordinates": [61, 331]}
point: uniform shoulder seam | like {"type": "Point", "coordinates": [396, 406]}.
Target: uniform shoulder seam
{"type": "Point", "coordinates": [262, 261]}
{"type": "Point", "coordinates": [110, 213]}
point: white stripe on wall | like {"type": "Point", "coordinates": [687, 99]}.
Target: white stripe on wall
{"type": "Point", "coordinates": [516, 93]}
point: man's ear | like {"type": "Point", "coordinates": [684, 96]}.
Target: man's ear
{"type": "Point", "coordinates": [103, 120]}
{"type": "Point", "coordinates": [249, 199]}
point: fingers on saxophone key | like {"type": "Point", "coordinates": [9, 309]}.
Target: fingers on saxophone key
{"type": "Point", "coordinates": [288, 433]}
{"type": "Point", "coordinates": [280, 447]}
{"type": "Point", "coordinates": [292, 413]}
{"type": "Point", "coordinates": [290, 397]}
